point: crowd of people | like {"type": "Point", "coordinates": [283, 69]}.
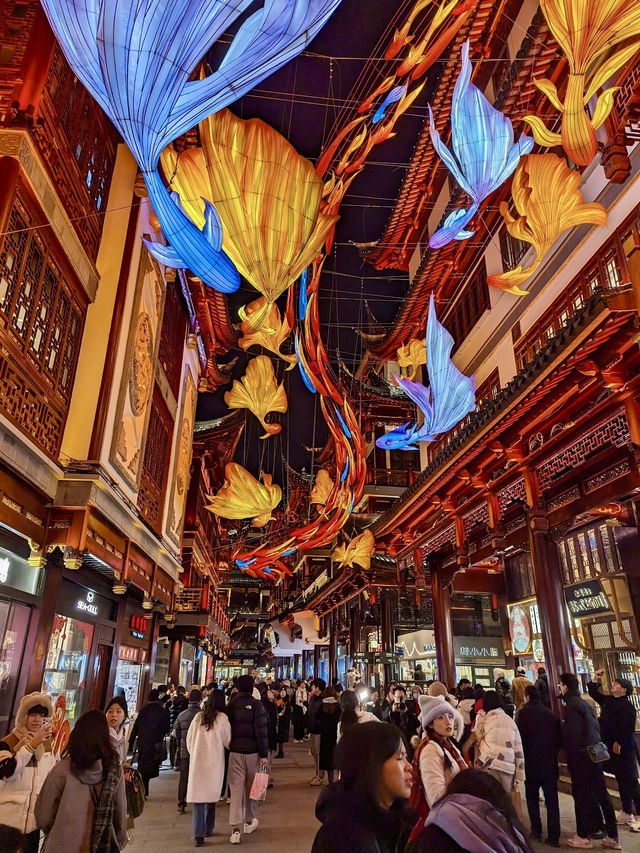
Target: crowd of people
{"type": "Point", "coordinates": [421, 768]}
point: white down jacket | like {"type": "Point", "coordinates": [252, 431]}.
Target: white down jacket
{"type": "Point", "coordinates": [499, 743]}
{"type": "Point", "coordinates": [18, 793]}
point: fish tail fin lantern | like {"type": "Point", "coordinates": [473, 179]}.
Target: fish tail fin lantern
{"type": "Point", "coordinates": [137, 60]}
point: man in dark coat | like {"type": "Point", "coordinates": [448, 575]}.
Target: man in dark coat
{"type": "Point", "coordinates": [541, 733]}
{"type": "Point", "coordinates": [178, 704]}
{"type": "Point", "coordinates": [542, 683]}
{"type": "Point", "coordinates": [248, 755]}
{"type": "Point", "coordinates": [402, 716]}
{"type": "Point", "coordinates": [179, 732]}
{"type": "Point", "coordinates": [318, 685]}
{"type": "Point", "coordinates": [617, 726]}
{"type": "Point", "coordinates": [150, 728]}
{"type": "Point", "coordinates": [588, 787]}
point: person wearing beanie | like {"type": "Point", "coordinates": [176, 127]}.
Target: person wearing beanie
{"type": "Point", "coordinates": [30, 744]}
{"type": "Point", "coordinates": [588, 786]}
{"type": "Point", "coordinates": [117, 713]}
{"type": "Point", "coordinates": [180, 729]}
{"type": "Point", "coordinates": [617, 727]}
{"type": "Point", "coordinates": [249, 754]}
{"type": "Point", "coordinates": [149, 730]}
{"type": "Point", "coordinates": [437, 688]}
{"type": "Point", "coordinates": [518, 687]}
{"type": "Point", "coordinates": [542, 684]}
{"type": "Point", "coordinates": [437, 759]}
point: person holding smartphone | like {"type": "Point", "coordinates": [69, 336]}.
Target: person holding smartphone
{"type": "Point", "coordinates": [30, 744]}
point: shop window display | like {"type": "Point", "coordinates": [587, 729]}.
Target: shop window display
{"type": "Point", "coordinates": [14, 621]}
{"type": "Point", "coordinates": [67, 662]}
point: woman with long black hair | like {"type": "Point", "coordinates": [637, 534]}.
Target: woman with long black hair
{"type": "Point", "coordinates": [208, 735]}
{"type": "Point", "coordinates": [352, 712]}
{"type": "Point", "coordinates": [366, 812]}
{"type": "Point", "coordinates": [475, 815]}
{"type": "Point", "coordinates": [82, 805]}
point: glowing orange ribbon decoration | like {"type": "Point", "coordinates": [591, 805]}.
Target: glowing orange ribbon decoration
{"type": "Point", "coordinates": [598, 38]}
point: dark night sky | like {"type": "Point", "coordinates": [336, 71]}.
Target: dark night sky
{"type": "Point", "coordinates": [302, 101]}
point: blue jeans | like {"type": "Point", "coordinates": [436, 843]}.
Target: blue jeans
{"type": "Point", "coordinates": [204, 819]}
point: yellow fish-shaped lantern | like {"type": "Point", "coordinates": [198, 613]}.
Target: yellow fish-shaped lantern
{"type": "Point", "coordinates": [242, 496]}
{"type": "Point", "coordinates": [546, 194]}
{"type": "Point", "coordinates": [412, 355]}
{"type": "Point", "coordinates": [598, 38]}
{"type": "Point", "coordinates": [357, 553]}
{"type": "Point", "coordinates": [270, 331]}
{"type": "Point", "coordinates": [258, 391]}
{"type": "Point", "coordinates": [267, 196]}
{"type": "Point", "coordinates": [321, 488]}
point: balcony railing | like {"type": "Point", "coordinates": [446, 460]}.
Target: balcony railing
{"type": "Point", "coordinates": [202, 600]}
{"type": "Point", "coordinates": [390, 477]}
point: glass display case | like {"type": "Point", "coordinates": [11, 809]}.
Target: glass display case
{"type": "Point", "coordinates": [67, 662]}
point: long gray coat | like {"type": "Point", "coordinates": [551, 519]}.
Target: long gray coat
{"type": "Point", "coordinates": [64, 809]}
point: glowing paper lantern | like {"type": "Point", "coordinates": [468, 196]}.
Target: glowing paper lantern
{"type": "Point", "coordinates": [357, 553]}
{"type": "Point", "coordinates": [270, 333]}
{"type": "Point", "coordinates": [598, 39]}
{"type": "Point", "coordinates": [321, 488]}
{"type": "Point", "coordinates": [484, 154]}
{"type": "Point", "coordinates": [242, 496]}
{"type": "Point", "coordinates": [448, 398]}
{"type": "Point", "coordinates": [259, 392]}
{"type": "Point", "coordinates": [267, 195]}
{"type": "Point", "coordinates": [546, 195]}
{"type": "Point", "coordinates": [411, 356]}
{"type": "Point", "coordinates": [136, 59]}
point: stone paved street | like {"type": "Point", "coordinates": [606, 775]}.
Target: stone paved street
{"type": "Point", "coordinates": [287, 820]}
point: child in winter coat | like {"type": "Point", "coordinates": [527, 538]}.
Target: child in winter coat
{"type": "Point", "coordinates": [30, 744]}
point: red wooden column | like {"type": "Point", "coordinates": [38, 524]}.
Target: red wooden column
{"type": "Point", "coordinates": [443, 629]}
{"type": "Point", "coordinates": [333, 646]}
{"type": "Point", "coordinates": [175, 656]}
{"type": "Point", "coordinates": [554, 619]}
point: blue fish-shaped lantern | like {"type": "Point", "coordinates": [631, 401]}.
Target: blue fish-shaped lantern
{"type": "Point", "coordinates": [449, 396]}
{"type": "Point", "coordinates": [484, 153]}
{"type": "Point", "coordinates": [137, 58]}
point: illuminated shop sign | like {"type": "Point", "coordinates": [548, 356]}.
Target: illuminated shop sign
{"type": "Point", "coordinates": [587, 599]}
{"type": "Point", "coordinates": [138, 626]}
{"type": "Point", "coordinates": [479, 648]}
{"type": "Point", "coordinates": [519, 629]}
{"type": "Point", "coordinates": [16, 572]}
{"type": "Point", "coordinates": [86, 604]}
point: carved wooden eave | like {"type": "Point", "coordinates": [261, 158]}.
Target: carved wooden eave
{"type": "Point", "coordinates": [218, 438]}
{"type": "Point", "coordinates": [542, 387]}
{"type": "Point", "coordinates": [216, 330]}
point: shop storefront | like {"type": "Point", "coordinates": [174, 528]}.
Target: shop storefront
{"type": "Point", "coordinates": [80, 649]}
{"type": "Point", "coordinates": [477, 657]}
{"type": "Point", "coordinates": [20, 584]}
{"type": "Point", "coordinates": [417, 648]}
{"type": "Point", "coordinates": [133, 654]}
{"type": "Point", "coordinates": [187, 663]}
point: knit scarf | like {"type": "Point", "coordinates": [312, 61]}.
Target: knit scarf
{"type": "Point", "coordinates": [449, 749]}
{"type": "Point", "coordinates": [104, 805]}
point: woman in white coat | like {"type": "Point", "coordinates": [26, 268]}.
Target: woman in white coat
{"type": "Point", "coordinates": [208, 735]}
{"type": "Point", "coordinates": [30, 744]}
{"type": "Point", "coordinates": [500, 750]}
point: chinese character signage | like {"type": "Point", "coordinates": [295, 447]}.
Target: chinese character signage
{"type": "Point", "coordinates": [479, 648]}
{"type": "Point", "coordinates": [587, 599]}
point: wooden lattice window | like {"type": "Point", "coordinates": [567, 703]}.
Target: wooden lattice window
{"type": "Point", "coordinates": [41, 322]}
{"type": "Point", "coordinates": [174, 327]}
{"type": "Point", "coordinates": [469, 307]}
{"type": "Point", "coordinates": [490, 388]}
{"type": "Point", "coordinates": [589, 553]}
{"type": "Point", "coordinates": [519, 576]}
{"type": "Point", "coordinates": [512, 250]}
{"type": "Point", "coordinates": [155, 466]}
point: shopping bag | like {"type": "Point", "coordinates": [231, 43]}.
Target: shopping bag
{"type": "Point", "coordinates": [516, 800]}
{"type": "Point", "coordinates": [259, 786]}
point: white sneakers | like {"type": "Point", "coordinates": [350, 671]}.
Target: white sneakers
{"type": "Point", "coordinates": [317, 780]}
{"type": "Point", "coordinates": [611, 843]}
{"type": "Point", "coordinates": [580, 843]}
{"type": "Point", "coordinates": [235, 837]}
{"type": "Point", "coordinates": [249, 827]}
{"type": "Point", "coordinates": [624, 818]}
